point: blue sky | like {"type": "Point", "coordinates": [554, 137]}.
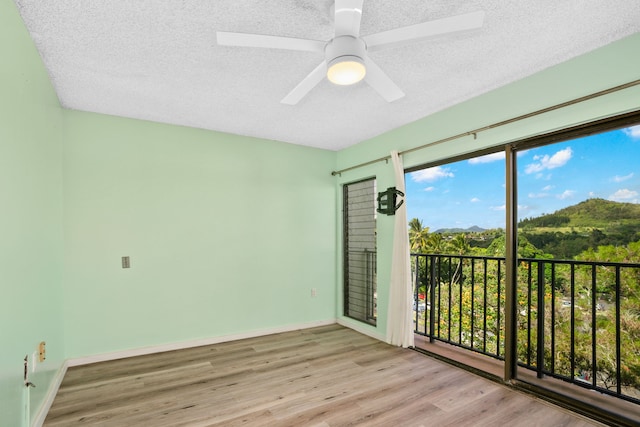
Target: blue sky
{"type": "Point", "coordinates": [472, 192]}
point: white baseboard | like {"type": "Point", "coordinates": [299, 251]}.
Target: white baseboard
{"type": "Point", "coordinates": [194, 343]}
{"type": "Point", "coordinates": [50, 396]}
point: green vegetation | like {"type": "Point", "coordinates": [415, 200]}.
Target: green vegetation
{"type": "Point", "coordinates": [592, 213]}
{"type": "Point", "coordinates": [589, 224]}
{"type": "Point", "coordinates": [469, 294]}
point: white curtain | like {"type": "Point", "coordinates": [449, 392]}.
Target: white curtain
{"type": "Point", "coordinates": [400, 311]}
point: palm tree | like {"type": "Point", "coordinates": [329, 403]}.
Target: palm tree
{"type": "Point", "coordinates": [418, 236]}
{"type": "Point", "coordinates": [436, 243]}
{"type": "Point", "coordinates": [459, 245]}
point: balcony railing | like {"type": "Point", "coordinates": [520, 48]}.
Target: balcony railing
{"type": "Point", "coordinates": [577, 321]}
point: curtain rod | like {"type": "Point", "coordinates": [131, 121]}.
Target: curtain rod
{"type": "Point", "coordinates": [498, 124]}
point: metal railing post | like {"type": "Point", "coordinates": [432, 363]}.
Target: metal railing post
{"type": "Point", "coordinates": [432, 298]}
{"type": "Point", "coordinates": [540, 346]}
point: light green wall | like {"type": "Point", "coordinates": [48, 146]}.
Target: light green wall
{"type": "Point", "coordinates": [226, 234]}
{"type": "Point", "coordinates": [30, 219]}
{"type": "Point", "coordinates": [610, 66]}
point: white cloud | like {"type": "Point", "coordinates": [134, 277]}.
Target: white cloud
{"type": "Point", "coordinates": [429, 188]}
{"type": "Point", "coordinates": [618, 178]}
{"type": "Point", "coordinates": [566, 194]}
{"type": "Point", "coordinates": [538, 195]}
{"type": "Point", "coordinates": [544, 177]}
{"type": "Point", "coordinates": [547, 188]}
{"type": "Point", "coordinates": [474, 200]}
{"type": "Point", "coordinates": [504, 208]}
{"type": "Point", "coordinates": [493, 157]}
{"type": "Point", "coordinates": [549, 162]}
{"type": "Point", "coordinates": [623, 194]}
{"type": "Point", "coordinates": [431, 174]}
{"type": "Point", "coordinates": [633, 132]}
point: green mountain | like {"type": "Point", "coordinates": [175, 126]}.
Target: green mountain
{"type": "Point", "coordinates": [472, 229]}
{"type": "Point", "coordinates": [592, 213]}
{"type": "Point", "coordinates": [589, 224]}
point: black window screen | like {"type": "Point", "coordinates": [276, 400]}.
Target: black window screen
{"type": "Point", "coordinates": [360, 250]}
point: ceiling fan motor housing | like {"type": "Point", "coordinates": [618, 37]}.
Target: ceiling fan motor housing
{"type": "Point", "coordinates": [345, 48]}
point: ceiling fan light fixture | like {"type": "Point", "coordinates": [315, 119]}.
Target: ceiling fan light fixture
{"type": "Point", "coordinates": [346, 70]}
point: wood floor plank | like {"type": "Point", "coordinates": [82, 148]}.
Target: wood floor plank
{"type": "Point", "coordinates": [326, 376]}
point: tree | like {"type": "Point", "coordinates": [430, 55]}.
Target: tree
{"type": "Point", "coordinates": [460, 246]}
{"type": "Point", "coordinates": [418, 236]}
{"type": "Point", "coordinates": [436, 243]}
{"type": "Point", "coordinates": [605, 365]}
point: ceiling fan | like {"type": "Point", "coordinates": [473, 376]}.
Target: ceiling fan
{"type": "Point", "coordinates": [346, 60]}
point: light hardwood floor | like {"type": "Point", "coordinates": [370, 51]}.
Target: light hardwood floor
{"type": "Point", "coordinates": [327, 376]}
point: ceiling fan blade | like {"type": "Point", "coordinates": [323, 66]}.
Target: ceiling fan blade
{"type": "Point", "coordinates": [453, 24]}
{"type": "Point", "coordinates": [305, 86]}
{"type": "Point", "coordinates": [347, 17]}
{"type": "Point", "coordinates": [274, 42]}
{"type": "Point", "coordinates": [378, 80]}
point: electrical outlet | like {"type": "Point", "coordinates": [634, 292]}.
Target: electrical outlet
{"type": "Point", "coordinates": [313, 292]}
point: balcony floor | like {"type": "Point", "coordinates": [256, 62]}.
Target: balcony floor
{"type": "Point", "coordinates": [494, 369]}
{"type": "Point", "coordinates": [324, 376]}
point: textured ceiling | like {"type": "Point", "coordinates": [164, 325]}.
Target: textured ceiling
{"type": "Point", "coordinates": [158, 59]}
